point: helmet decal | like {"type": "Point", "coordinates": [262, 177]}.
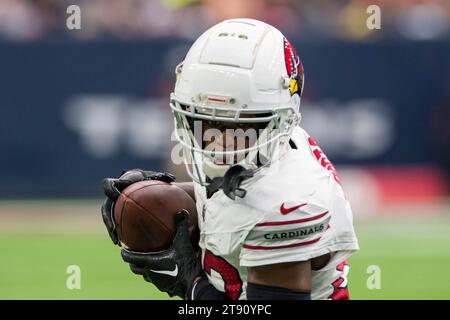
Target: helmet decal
{"type": "Point", "coordinates": [294, 68]}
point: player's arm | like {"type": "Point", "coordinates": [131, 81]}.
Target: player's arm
{"type": "Point", "coordinates": [283, 281]}
{"type": "Point", "coordinates": [291, 280]}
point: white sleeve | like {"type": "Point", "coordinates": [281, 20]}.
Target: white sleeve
{"type": "Point", "coordinates": [289, 233]}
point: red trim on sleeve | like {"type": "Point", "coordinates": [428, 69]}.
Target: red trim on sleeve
{"type": "Point", "coordinates": [280, 223]}
{"type": "Point", "coordinates": [246, 246]}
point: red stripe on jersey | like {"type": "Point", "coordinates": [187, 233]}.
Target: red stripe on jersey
{"type": "Point", "coordinates": [246, 246]}
{"type": "Point", "coordinates": [281, 223]}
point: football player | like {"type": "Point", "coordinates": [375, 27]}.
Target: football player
{"type": "Point", "coordinates": [274, 221]}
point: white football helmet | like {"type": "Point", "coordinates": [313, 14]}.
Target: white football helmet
{"type": "Point", "coordinates": [240, 71]}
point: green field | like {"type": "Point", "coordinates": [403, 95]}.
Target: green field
{"type": "Point", "coordinates": [35, 251]}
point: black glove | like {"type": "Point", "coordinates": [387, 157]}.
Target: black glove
{"type": "Point", "coordinates": [113, 187]}
{"type": "Point", "coordinates": [172, 270]}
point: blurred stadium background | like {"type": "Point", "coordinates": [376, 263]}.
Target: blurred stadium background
{"type": "Point", "coordinates": [80, 105]}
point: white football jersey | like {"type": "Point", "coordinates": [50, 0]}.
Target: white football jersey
{"type": "Point", "coordinates": [294, 210]}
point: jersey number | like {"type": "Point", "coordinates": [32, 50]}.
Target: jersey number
{"type": "Point", "coordinates": [229, 274]}
{"type": "Point", "coordinates": [322, 159]}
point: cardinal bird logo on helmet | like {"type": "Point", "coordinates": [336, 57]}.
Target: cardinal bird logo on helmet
{"type": "Point", "coordinates": [294, 68]}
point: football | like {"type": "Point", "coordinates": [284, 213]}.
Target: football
{"type": "Point", "coordinates": [145, 214]}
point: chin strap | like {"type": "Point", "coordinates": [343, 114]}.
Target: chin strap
{"type": "Point", "coordinates": [230, 182]}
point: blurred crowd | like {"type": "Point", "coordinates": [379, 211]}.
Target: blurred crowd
{"type": "Point", "coordinates": [31, 20]}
